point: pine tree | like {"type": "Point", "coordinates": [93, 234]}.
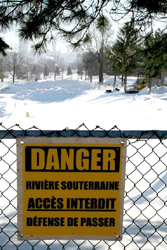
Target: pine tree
{"type": "Point", "coordinates": [69, 71]}
{"type": "Point", "coordinates": [124, 54]}
{"type": "Point", "coordinates": [102, 26]}
{"type": "Point", "coordinates": [152, 6]}
{"type": "Point", "coordinates": [46, 72]}
{"type": "Point", "coordinates": [57, 72]}
{"type": "Point", "coordinates": [3, 47]}
{"type": "Point", "coordinates": [90, 64]}
{"type": "Point", "coordinates": [80, 70]}
{"type": "Point", "coordinates": [154, 59]}
{"type": "Point", "coordinates": [36, 19]}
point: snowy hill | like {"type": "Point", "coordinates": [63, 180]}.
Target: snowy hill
{"type": "Point", "coordinates": [69, 103]}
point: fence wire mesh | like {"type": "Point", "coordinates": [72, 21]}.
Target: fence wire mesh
{"type": "Point", "coordinates": [145, 200]}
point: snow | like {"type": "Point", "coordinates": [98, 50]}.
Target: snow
{"type": "Point", "coordinates": [69, 103]}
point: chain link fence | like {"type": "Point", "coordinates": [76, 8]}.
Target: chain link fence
{"type": "Point", "coordinates": [145, 200]}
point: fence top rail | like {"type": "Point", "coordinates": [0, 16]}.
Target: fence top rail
{"type": "Point", "coordinates": [129, 134]}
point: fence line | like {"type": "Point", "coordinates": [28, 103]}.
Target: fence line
{"type": "Point", "coordinates": [128, 134]}
{"type": "Point", "coordinates": [145, 200]}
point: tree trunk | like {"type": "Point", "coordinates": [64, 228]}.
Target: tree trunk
{"type": "Point", "coordinates": [157, 82]}
{"type": "Point", "coordinates": [122, 80]}
{"type": "Point", "coordinates": [101, 70]}
{"type": "Point", "coordinates": [149, 86]}
{"type": "Point", "coordinates": [125, 82]}
{"type": "Point", "coordinates": [114, 83]}
{"type": "Point", "coordinates": [13, 77]}
{"type": "Point", "coordinates": [101, 62]}
{"type": "Point", "coordinates": [100, 75]}
{"type": "Point", "coordinates": [91, 78]}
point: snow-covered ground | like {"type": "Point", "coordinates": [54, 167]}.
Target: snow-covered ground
{"type": "Point", "coordinates": [69, 103]}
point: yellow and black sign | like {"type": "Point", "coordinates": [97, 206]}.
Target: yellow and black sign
{"type": "Point", "coordinates": [70, 188]}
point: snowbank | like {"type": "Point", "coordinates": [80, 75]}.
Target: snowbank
{"type": "Point", "coordinates": [69, 103]}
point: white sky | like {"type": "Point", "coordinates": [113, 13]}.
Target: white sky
{"type": "Point", "coordinates": [11, 37]}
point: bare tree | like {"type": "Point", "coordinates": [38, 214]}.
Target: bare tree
{"type": "Point", "coordinates": [15, 63]}
{"type": "Point", "coordinates": [62, 66]}
{"type": "Point", "coordinates": [100, 36]}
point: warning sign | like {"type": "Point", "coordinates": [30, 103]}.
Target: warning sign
{"type": "Point", "coordinates": [70, 188]}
